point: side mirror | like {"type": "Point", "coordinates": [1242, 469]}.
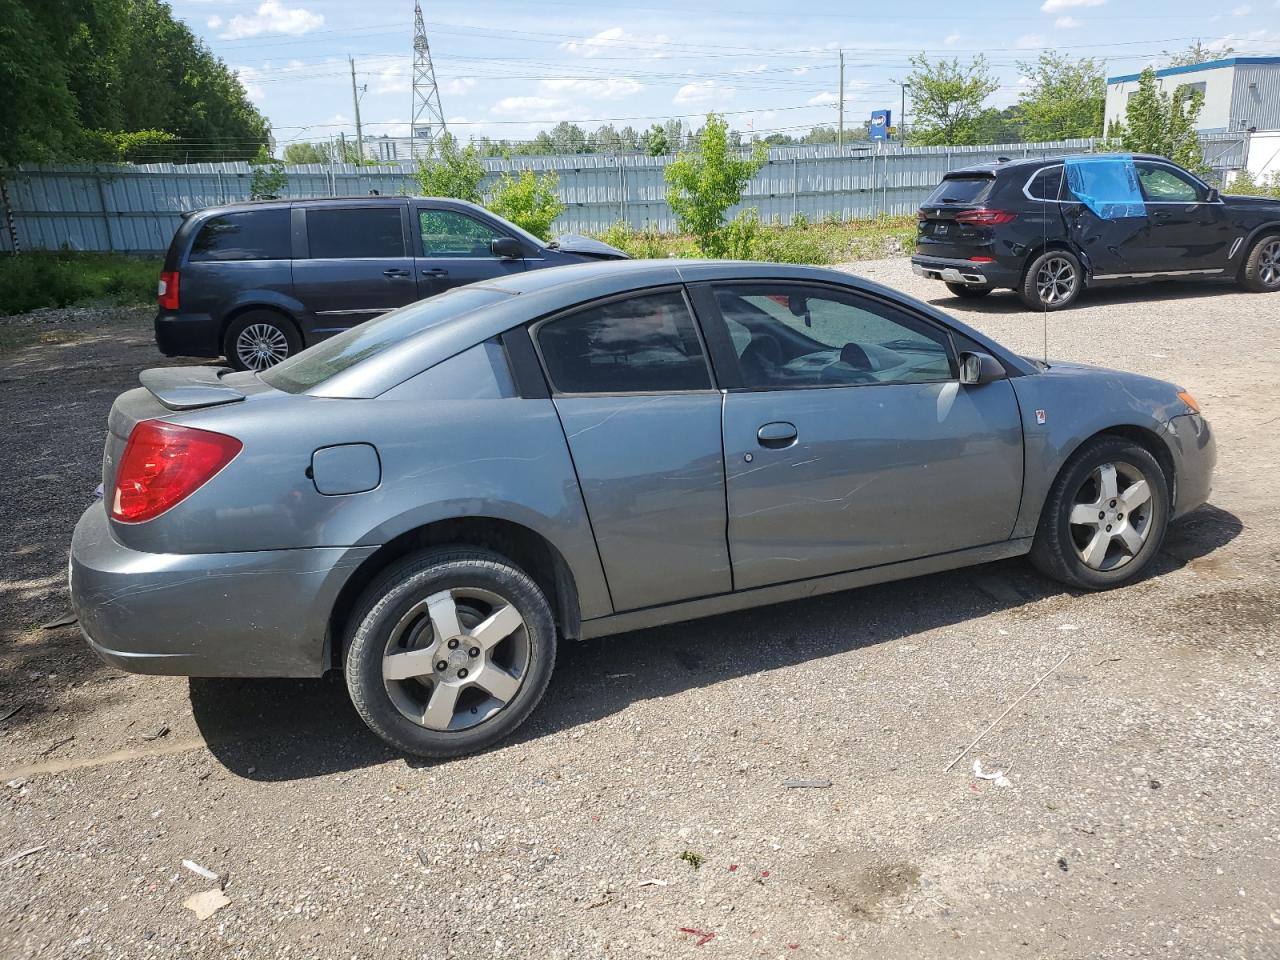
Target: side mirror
{"type": "Point", "coordinates": [1213, 196]}
{"type": "Point", "coordinates": [978, 368]}
{"type": "Point", "coordinates": [506, 248]}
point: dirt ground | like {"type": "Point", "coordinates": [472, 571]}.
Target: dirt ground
{"type": "Point", "coordinates": [641, 812]}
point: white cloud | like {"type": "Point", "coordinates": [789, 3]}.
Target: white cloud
{"type": "Point", "coordinates": [754, 68]}
{"type": "Point", "coordinates": [801, 71]}
{"type": "Point", "coordinates": [1029, 41]}
{"type": "Point", "coordinates": [615, 38]}
{"type": "Point", "coordinates": [952, 39]}
{"type": "Point", "coordinates": [823, 100]}
{"type": "Point", "coordinates": [251, 80]}
{"type": "Point", "coordinates": [1053, 6]}
{"type": "Point", "coordinates": [392, 79]}
{"type": "Point", "coordinates": [458, 86]}
{"type": "Point", "coordinates": [273, 16]}
{"type": "Point", "coordinates": [1252, 43]}
{"type": "Point", "coordinates": [1067, 23]}
{"type": "Point", "coordinates": [703, 91]}
{"type": "Point", "coordinates": [523, 104]}
{"type": "Point", "coordinates": [214, 22]}
{"type": "Point", "coordinates": [614, 88]}
{"type": "Point", "coordinates": [1242, 11]}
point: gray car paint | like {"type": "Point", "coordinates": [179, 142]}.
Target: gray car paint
{"type": "Point", "coordinates": [241, 577]}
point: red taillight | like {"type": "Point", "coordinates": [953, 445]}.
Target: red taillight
{"type": "Point", "coordinates": [982, 259]}
{"type": "Point", "coordinates": [167, 290]}
{"type": "Point", "coordinates": [985, 218]}
{"type": "Point", "coordinates": [163, 464]}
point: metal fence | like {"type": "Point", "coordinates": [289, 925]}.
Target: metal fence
{"type": "Point", "coordinates": [136, 209]}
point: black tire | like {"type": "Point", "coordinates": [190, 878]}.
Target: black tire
{"type": "Point", "coordinates": [968, 291]}
{"type": "Point", "coordinates": [392, 597]}
{"type": "Point", "coordinates": [1030, 290]}
{"type": "Point", "coordinates": [1261, 270]}
{"type": "Point", "coordinates": [260, 326]}
{"type": "Point", "coordinates": [1059, 543]}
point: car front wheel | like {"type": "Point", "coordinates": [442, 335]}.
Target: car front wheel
{"type": "Point", "coordinates": [1105, 517]}
{"type": "Point", "coordinates": [449, 651]}
{"type": "Point", "coordinates": [1261, 272]}
{"type": "Point", "coordinates": [1052, 281]}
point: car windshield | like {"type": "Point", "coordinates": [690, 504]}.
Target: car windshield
{"type": "Point", "coordinates": [330, 357]}
{"type": "Point", "coordinates": [960, 190]}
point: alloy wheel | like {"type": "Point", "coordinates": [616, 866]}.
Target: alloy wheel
{"type": "Point", "coordinates": [1269, 264]}
{"type": "Point", "coordinates": [261, 345]}
{"type": "Point", "coordinates": [456, 658]}
{"type": "Point", "coordinates": [1111, 516]}
{"type": "Point", "coordinates": [1056, 280]}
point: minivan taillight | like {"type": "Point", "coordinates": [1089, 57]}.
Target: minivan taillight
{"type": "Point", "coordinates": [167, 290]}
{"type": "Point", "coordinates": [163, 464]}
{"type": "Point", "coordinates": [985, 218]}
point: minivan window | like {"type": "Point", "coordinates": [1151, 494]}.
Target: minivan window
{"type": "Point", "coordinates": [249, 235]}
{"type": "Point", "coordinates": [330, 357]}
{"type": "Point", "coordinates": [960, 190]}
{"type": "Point", "coordinates": [644, 344]}
{"type": "Point", "coordinates": [354, 233]}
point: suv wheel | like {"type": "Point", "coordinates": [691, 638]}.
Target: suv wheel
{"type": "Point", "coordinates": [260, 339]}
{"type": "Point", "coordinates": [448, 651]}
{"type": "Point", "coordinates": [968, 291]}
{"type": "Point", "coordinates": [1105, 517]}
{"type": "Point", "coordinates": [1261, 272]}
{"type": "Point", "coordinates": [1053, 281]}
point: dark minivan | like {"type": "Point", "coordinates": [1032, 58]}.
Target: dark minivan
{"type": "Point", "coordinates": [257, 282]}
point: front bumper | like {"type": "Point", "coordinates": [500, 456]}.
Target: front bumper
{"type": "Point", "coordinates": [262, 613]}
{"type": "Point", "coordinates": [1195, 453]}
{"type": "Point", "coordinates": [965, 271]}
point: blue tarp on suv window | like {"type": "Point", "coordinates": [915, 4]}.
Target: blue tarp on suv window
{"type": "Point", "coordinates": [1107, 185]}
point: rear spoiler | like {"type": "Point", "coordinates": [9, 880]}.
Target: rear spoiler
{"type": "Point", "coordinates": [185, 388]}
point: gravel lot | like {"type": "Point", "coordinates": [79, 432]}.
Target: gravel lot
{"type": "Point", "coordinates": [642, 807]}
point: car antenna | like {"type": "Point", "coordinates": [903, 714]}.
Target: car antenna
{"type": "Point", "coordinates": [1044, 242]}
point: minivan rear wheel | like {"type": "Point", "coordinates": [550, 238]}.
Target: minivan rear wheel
{"type": "Point", "coordinates": [260, 339]}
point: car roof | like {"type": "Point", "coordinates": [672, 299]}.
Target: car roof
{"type": "Point", "coordinates": [996, 167]}
{"type": "Point", "coordinates": [368, 200]}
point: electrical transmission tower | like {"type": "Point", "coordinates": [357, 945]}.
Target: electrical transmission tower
{"type": "Point", "coordinates": [428, 115]}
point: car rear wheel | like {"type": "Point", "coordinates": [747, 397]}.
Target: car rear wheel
{"type": "Point", "coordinates": [968, 291]}
{"type": "Point", "coordinates": [1105, 518]}
{"type": "Point", "coordinates": [448, 651]}
{"type": "Point", "coordinates": [1052, 281]}
{"type": "Point", "coordinates": [1261, 271]}
{"type": "Point", "coordinates": [260, 339]}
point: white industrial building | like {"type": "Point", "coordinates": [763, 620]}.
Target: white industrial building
{"type": "Point", "coordinates": [1240, 93]}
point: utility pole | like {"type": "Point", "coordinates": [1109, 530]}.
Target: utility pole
{"type": "Point", "coordinates": [840, 131]}
{"type": "Point", "coordinates": [355, 100]}
{"type": "Point", "coordinates": [902, 117]}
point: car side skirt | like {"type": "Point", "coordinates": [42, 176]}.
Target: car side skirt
{"type": "Point", "coordinates": [797, 589]}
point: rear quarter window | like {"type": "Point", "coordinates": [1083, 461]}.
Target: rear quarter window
{"type": "Point", "coordinates": [247, 235]}
{"type": "Point", "coordinates": [960, 190]}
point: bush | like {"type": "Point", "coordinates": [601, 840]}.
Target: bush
{"type": "Point", "coordinates": [58, 279]}
{"type": "Point", "coordinates": [529, 201]}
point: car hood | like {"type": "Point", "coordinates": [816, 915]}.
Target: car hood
{"type": "Point", "coordinates": [1241, 202]}
{"type": "Point", "coordinates": [589, 247]}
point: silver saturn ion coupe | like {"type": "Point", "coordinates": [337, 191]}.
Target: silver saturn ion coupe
{"type": "Point", "coordinates": [430, 501]}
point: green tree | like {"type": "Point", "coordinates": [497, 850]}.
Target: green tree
{"type": "Point", "coordinates": [568, 138]}
{"type": "Point", "coordinates": [37, 111]}
{"type": "Point", "coordinates": [998, 126]}
{"type": "Point", "coordinates": [306, 153]}
{"type": "Point", "coordinates": [1064, 97]}
{"type": "Point", "coordinates": [452, 171]}
{"type": "Point", "coordinates": [706, 180]}
{"type": "Point", "coordinates": [529, 200]}
{"type": "Point", "coordinates": [1196, 53]}
{"type": "Point", "coordinates": [947, 99]}
{"type": "Point", "coordinates": [269, 179]}
{"type": "Point", "coordinates": [656, 143]}
{"type": "Point", "coordinates": [1156, 121]}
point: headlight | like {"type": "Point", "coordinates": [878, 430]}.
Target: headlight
{"type": "Point", "coordinates": [1189, 400]}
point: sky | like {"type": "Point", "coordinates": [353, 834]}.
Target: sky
{"type": "Point", "coordinates": [508, 68]}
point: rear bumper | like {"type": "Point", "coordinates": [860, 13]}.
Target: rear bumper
{"type": "Point", "coordinates": [1195, 453]}
{"type": "Point", "coordinates": [263, 613]}
{"type": "Point", "coordinates": [188, 335]}
{"type": "Point", "coordinates": [965, 271]}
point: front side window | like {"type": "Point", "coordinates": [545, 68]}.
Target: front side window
{"type": "Point", "coordinates": [354, 233]}
{"type": "Point", "coordinates": [251, 235]}
{"type": "Point", "coordinates": [447, 233]}
{"type": "Point", "coordinates": [1161, 183]}
{"type": "Point", "coordinates": [792, 336]}
{"type": "Point", "coordinates": [643, 344]}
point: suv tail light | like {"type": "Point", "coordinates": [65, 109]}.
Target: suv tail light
{"type": "Point", "coordinates": [167, 290]}
{"type": "Point", "coordinates": [985, 218]}
{"type": "Point", "coordinates": [163, 464]}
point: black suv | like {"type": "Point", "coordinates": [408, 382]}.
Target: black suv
{"type": "Point", "coordinates": [257, 282]}
{"type": "Point", "coordinates": [1047, 228]}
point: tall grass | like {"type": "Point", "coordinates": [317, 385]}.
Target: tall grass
{"type": "Point", "coordinates": [59, 279]}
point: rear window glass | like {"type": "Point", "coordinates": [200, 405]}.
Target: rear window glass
{"type": "Point", "coordinates": [960, 190]}
{"type": "Point", "coordinates": [330, 357]}
{"type": "Point", "coordinates": [355, 233]}
{"type": "Point", "coordinates": [250, 235]}
{"type": "Point", "coordinates": [1046, 184]}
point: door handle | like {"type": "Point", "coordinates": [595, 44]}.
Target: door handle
{"type": "Point", "coordinates": [777, 435]}
{"type": "Point", "coordinates": [395, 272]}
{"type": "Point", "coordinates": [435, 272]}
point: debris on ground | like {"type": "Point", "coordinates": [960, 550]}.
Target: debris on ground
{"type": "Point", "coordinates": [157, 733]}
{"type": "Point", "coordinates": [997, 776]}
{"type": "Point", "coordinates": [205, 905]}
{"type": "Point", "coordinates": [10, 712]}
{"type": "Point", "coordinates": [652, 883]}
{"type": "Point", "coordinates": [702, 935]}
{"type": "Point", "coordinates": [694, 860]}
{"type": "Point", "coordinates": [66, 620]}
{"type": "Point", "coordinates": [817, 783]}
{"type": "Point", "coordinates": [56, 744]}
{"type": "Point", "coordinates": [201, 871]}
{"type": "Point", "coordinates": [22, 854]}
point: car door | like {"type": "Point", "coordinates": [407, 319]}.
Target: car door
{"type": "Point", "coordinates": [1188, 228]}
{"type": "Point", "coordinates": [453, 248]}
{"type": "Point", "coordinates": [849, 441]}
{"type": "Point", "coordinates": [631, 383]}
{"type": "Point", "coordinates": [356, 264]}
{"type": "Point", "coordinates": [1105, 214]}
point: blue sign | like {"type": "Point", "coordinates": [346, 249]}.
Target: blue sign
{"type": "Point", "coordinates": [881, 121]}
